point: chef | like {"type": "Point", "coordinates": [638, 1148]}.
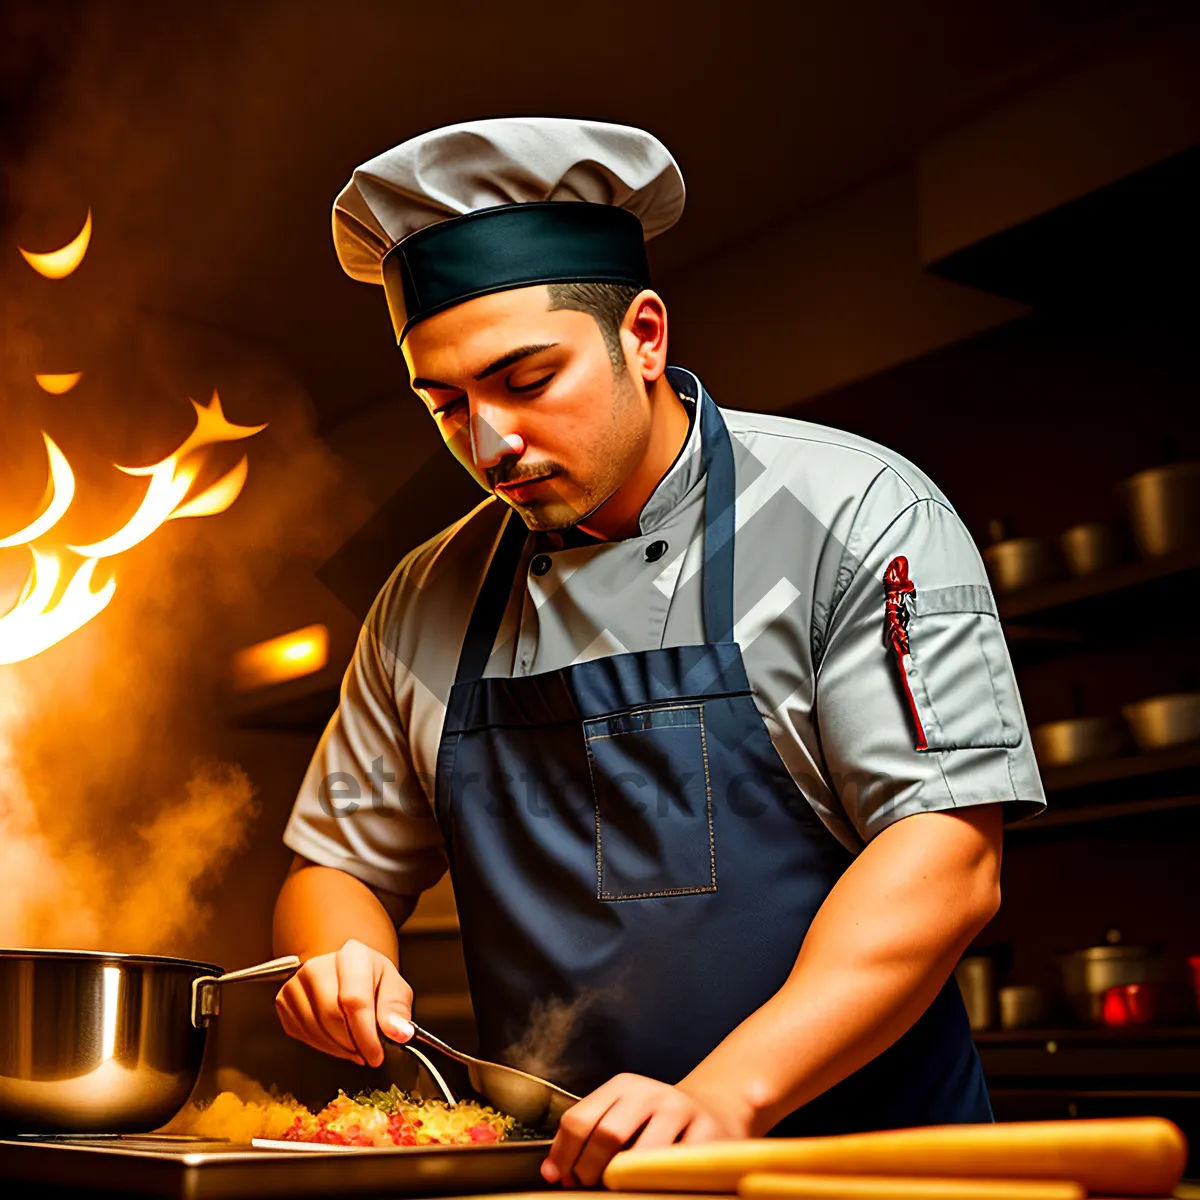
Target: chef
{"type": "Point", "coordinates": [708, 712]}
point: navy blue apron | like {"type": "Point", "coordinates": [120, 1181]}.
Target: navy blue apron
{"type": "Point", "coordinates": [631, 857]}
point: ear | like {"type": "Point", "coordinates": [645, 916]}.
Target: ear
{"type": "Point", "coordinates": [644, 336]}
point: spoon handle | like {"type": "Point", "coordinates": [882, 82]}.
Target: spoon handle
{"type": "Point", "coordinates": [428, 1038]}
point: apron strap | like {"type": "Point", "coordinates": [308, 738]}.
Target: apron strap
{"type": "Point", "coordinates": [719, 491]}
{"type": "Point", "coordinates": [492, 601]}
{"type": "Point", "coordinates": [717, 582]}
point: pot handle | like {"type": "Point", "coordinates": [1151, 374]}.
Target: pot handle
{"type": "Point", "coordinates": [206, 991]}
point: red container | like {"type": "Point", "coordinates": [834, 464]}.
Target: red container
{"type": "Point", "coordinates": [1147, 1003]}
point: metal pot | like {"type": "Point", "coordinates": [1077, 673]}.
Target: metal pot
{"type": "Point", "coordinates": [1077, 739]}
{"type": "Point", "coordinates": [1164, 507]}
{"type": "Point", "coordinates": [976, 975]}
{"type": "Point", "coordinates": [92, 1042]}
{"type": "Point", "coordinates": [1164, 720]}
{"type": "Point", "coordinates": [1088, 974]}
{"type": "Point", "coordinates": [1022, 562]}
{"type": "Point", "coordinates": [1025, 1006]}
{"type": "Point", "coordinates": [1094, 546]}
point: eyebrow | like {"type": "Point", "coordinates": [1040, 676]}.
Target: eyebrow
{"type": "Point", "coordinates": [505, 360]}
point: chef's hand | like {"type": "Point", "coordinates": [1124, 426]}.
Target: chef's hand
{"type": "Point", "coordinates": [339, 1002]}
{"type": "Point", "coordinates": [631, 1110]}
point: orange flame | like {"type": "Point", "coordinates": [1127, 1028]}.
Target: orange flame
{"type": "Point", "coordinates": [58, 264]}
{"type": "Point", "coordinates": [58, 385]}
{"type": "Point", "coordinates": [44, 615]}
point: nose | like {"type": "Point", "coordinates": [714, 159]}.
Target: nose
{"type": "Point", "coordinates": [492, 439]}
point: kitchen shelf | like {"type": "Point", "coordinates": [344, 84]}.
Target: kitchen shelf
{"type": "Point", "coordinates": [1125, 245]}
{"type": "Point", "coordinates": [1081, 602]}
{"type": "Point", "coordinates": [1071, 1035]}
{"type": "Point", "coordinates": [1128, 1058]}
{"type": "Point", "coordinates": [1126, 768]}
{"type": "Point", "coordinates": [1091, 813]}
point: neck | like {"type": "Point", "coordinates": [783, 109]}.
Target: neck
{"type": "Point", "coordinates": [618, 516]}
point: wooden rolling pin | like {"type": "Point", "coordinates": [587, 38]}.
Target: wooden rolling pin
{"type": "Point", "coordinates": [897, 1187]}
{"type": "Point", "coordinates": [1134, 1156]}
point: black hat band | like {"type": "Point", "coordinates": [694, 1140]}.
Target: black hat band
{"type": "Point", "coordinates": [511, 246]}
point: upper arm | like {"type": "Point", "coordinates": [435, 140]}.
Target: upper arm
{"type": "Point", "coordinates": [961, 680]}
{"type": "Point", "coordinates": [362, 807]}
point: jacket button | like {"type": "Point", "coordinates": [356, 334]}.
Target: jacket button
{"type": "Point", "coordinates": [655, 551]}
{"type": "Point", "coordinates": [541, 564]}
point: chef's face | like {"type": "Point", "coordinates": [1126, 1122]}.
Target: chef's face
{"type": "Point", "coordinates": [529, 400]}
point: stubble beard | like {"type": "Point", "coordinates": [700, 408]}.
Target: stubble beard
{"type": "Point", "coordinates": [557, 513]}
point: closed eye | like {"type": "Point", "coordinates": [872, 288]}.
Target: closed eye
{"type": "Point", "coordinates": [531, 387]}
{"type": "Point", "coordinates": [448, 407]}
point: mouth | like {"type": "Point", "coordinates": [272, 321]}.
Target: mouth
{"type": "Point", "coordinates": [523, 490]}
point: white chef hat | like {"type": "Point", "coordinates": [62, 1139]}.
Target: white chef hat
{"type": "Point", "coordinates": [474, 208]}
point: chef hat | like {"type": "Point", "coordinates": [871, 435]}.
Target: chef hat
{"type": "Point", "coordinates": [470, 209]}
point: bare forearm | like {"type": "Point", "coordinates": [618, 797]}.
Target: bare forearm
{"type": "Point", "coordinates": [319, 909]}
{"type": "Point", "coordinates": [879, 950]}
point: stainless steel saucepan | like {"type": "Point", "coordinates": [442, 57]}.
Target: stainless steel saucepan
{"type": "Point", "coordinates": [92, 1042]}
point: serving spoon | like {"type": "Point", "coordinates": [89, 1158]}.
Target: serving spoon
{"type": "Point", "coordinates": [535, 1102]}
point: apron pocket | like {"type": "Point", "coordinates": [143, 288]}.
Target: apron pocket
{"type": "Point", "coordinates": [653, 797]}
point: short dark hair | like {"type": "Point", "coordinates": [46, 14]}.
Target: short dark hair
{"type": "Point", "coordinates": [606, 302]}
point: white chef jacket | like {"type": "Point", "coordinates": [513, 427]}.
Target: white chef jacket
{"type": "Point", "coordinates": [820, 514]}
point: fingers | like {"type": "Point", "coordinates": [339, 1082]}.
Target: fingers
{"type": "Point", "coordinates": [332, 1002]}
{"type": "Point", "coordinates": [619, 1125]}
{"type": "Point", "coordinates": [300, 1022]}
{"type": "Point", "coordinates": [573, 1129]}
{"type": "Point", "coordinates": [393, 1004]}
{"type": "Point", "coordinates": [672, 1118]}
{"type": "Point", "coordinates": [357, 968]}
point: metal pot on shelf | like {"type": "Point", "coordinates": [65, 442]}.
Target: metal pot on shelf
{"type": "Point", "coordinates": [93, 1042]}
{"type": "Point", "coordinates": [1164, 507]}
{"type": "Point", "coordinates": [1026, 1006]}
{"type": "Point", "coordinates": [1077, 739]}
{"type": "Point", "coordinates": [1164, 720]}
{"type": "Point", "coordinates": [1014, 563]}
{"type": "Point", "coordinates": [1094, 546]}
{"type": "Point", "coordinates": [1089, 973]}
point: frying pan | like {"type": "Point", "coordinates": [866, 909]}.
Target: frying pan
{"type": "Point", "coordinates": [92, 1042]}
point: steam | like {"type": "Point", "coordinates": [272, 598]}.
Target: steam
{"type": "Point", "coordinates": [542, 1048]}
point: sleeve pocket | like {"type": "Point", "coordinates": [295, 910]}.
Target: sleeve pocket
{"type": "Point", "coordinates": [959, 671]}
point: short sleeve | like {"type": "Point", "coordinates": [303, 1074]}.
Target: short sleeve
{"type": "Point", "coordinates": [956, 694]}
{"type": "Point", "coordinates": [362, 807]}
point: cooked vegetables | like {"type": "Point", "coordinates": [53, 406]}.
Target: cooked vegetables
{"type": "Point", "coordinates": [391, 1118]}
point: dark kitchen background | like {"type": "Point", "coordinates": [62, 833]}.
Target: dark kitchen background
{"type": "Point", "coordinates": [965, 230]}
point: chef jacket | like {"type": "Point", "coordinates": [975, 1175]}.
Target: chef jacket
{"type": "Point", "coordinates": [820, 515]}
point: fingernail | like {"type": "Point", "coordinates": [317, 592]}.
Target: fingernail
{"type": "Point", "coordinates": [549, 1172]}
{"type": "Point", "coordinates": [399, 1028]}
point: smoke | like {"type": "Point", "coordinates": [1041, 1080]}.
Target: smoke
{"type": "Point", "coordinates": [118, 817]}
{"type": "Point", "coordinates": [138, 894]}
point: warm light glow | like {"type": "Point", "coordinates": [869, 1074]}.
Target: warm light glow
{"type": "Point", "coordinates": [58, 385]}
{"type": "Point", "coordinates": [287, 657]}
{"type": "Point", "coordinates": [57, 264]}
{"type": "Point", "coordinates": [110, 1012]}
{"type": "Point", "coordinates": [44, 615]}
